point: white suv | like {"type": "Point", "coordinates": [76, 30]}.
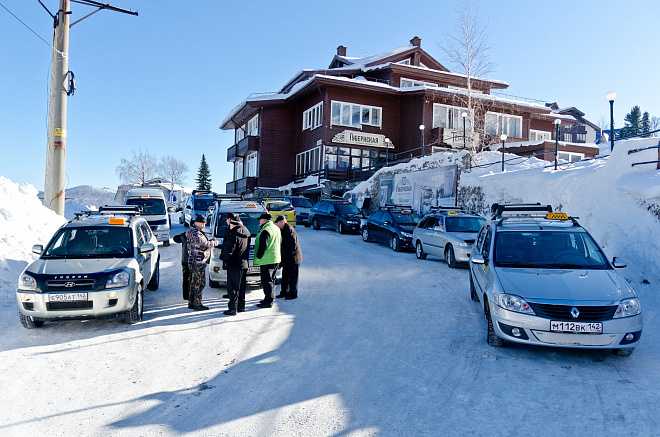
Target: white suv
{"type": "Point", "coordinates": [96, 265]}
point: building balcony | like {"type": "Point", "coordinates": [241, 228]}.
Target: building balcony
{"type": "Point", "coordinates": [243, 147]}
{"type": "Point", "coordinates": [241, 186]}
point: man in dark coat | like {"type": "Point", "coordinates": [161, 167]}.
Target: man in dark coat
{"type": "Point", "coordinates": [185, 271]}
{"type": "Point", "coordinates": [291, 258]}
{"type": "Point", "coordinates": [235, 255]}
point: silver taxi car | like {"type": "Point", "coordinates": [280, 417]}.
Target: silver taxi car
{"type": "Point", "coordinates": [447, 233]}
{"type": "Point", "coordinates": [95, 265]}
{"type": "Point", "coordinates": [543, 280]}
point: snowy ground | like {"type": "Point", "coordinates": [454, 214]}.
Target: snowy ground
{"type": "Point", "coordinates": [378, 344]}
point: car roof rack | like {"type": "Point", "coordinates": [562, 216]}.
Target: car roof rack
{"type": "Point", "coordinates": [393, 207]}
{"type": "Point", "coordinates": [217, 196]}
{"type": "Point", "coordinates": [440, 209]}
{"type": "Point", "coordinates": [497, 209]}
{"type": "Point", "coordinates": [120, 209]}
{"type": "Point", "coordinates": [197, 192]}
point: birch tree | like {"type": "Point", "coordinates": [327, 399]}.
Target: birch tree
{"type": "Point", "coordinates": [139, 169]}
{"type": "Point", "coordinates": [468, 51]}
{"type": "Point", "coordinates": [173, 170]}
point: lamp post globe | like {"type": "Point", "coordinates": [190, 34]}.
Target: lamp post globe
{"type": "Point", "coordinates": [421, 138]}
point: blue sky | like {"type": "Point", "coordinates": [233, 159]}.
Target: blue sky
{"type": "Point", "coordinates": [163, 81]}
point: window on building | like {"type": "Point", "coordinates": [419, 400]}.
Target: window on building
{"type": "Point", "coordinates": [355, 115]}
{"type": "Point", "coordinates": [581, 138]}
{"type": "Point", "coordinates": [251, 170]}
{"type": "Point", "coordinates": [313, 117]}
{"type": "Point", "coordinates": [568, 137]}
{"type": "Point", "coordinates": [497, 124]}
{"type": "Point", "coordinates": [404, 61]}
{"type": "Point", "coordinates": [570, 156]}
{"type": "Point", "coordinates": [308, 161]}
{"type": "Point", "coordinates": [342, 158]}
{"type": "Point", "coordinates": [238, 169]}
{"type": "Point", "coordinates": [253, 126]}
{"type": "Point", "coordinates": [449, 117]}
{"type": "Point", "coordinates": [407, 83]}
{"type": "Point", "coordinates": [240, 134]}
{"type": "Point", "coordinates": [539, 135]}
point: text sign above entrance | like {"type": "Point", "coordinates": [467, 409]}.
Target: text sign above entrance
{"type": "Point", "coordinates": [359, 138]}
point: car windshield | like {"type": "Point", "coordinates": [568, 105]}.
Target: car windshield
{"type": "Point", "coordinates": [405, 218]}
{"type": "Point", "coordinates": [347, 208]}
{"type": "Point", "coordinates": [250, 221]}
{"type": "Point", "coordinates": [464, 224]}
{"type": "Point", "coordinates": [548, 250]}
{"type": "Point", "coordinates": [301, 202]}
{"type": "Point", "coordinates": [91, 242]}
{"type": "Point", "coordinates": [202, 204]}
{"type": "Point", "coordinates": [149, 206]}
{"type": "Point", "coordinates": [279, 206]}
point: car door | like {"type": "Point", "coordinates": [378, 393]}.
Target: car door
{"type": "Point", "coordinates": [482, 273]}
{"type": "Point", "coordinates": [384, 225]}
{"type": "Point", "coordinates": [439, 236]}
{"type": "Point", "coordinates": [143, 259]}
{"type": "Point", "coordinates": [327, 214]}
{"type": "Point", "coordinates": [430, 245]}
{"type": "Point", "coordinates": [149, 237]}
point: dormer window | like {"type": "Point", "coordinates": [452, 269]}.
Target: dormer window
{"type": "Point", "coordinates": [407, 83]}
{"type": "Point", "coordinates": [404, 61]}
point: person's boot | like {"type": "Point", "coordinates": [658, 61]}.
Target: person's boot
{"type": "Point", "coordinates": [229, 313]}
{"type": "Point", "coordinates": [225, 296]}
{"type": "Point", "coordinates": [200, 308]}
{"type": "Point", "coordinates": [190, 305]}
{"type": "Point", "coordinates": [281, 296]}
{"type": "Point", "coordinates": [291, 297]}
{"type": "Point", "coordinates": [263, 304]}
{"type": "Point", "coordinates": [240, 310]}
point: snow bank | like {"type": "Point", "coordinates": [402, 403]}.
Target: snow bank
{"type": "Point", "coordinates": [24, 221]}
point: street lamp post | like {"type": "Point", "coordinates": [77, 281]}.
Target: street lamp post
{"type": "Point", "coordinates": [387, 151]}
{"type": "Point", "coordinates": [503, 137]}
{"type": "Point", "coordinates": [421, 138]}
{"type": "Point", "coordinates": [611, 96]}
{"type": "Point", "coordinates": [464, 115]}
{"type": "Point", "coordinates": [557, 122]}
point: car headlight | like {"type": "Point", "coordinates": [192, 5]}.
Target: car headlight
{"type": "Point", "coordinates": [27, 283]}
{"type": "Point", "coordinates": [162, 227]}
{"type": "Point", "coordinates": [406, 234]}
{"type": "Point", "coordinates": [118, 280]}
{"type": "Point", "coordinates": [514, 303]}
{"type": "Point", "coordinates": [628, 307]}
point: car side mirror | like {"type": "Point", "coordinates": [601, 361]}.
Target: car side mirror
{"type": "Point", "coordinates": [478, 259]}
{"type": "Point", "coordinates": [147, 247]}
{"type": "Point", "coordinates": [187, 206]}
{"type": "Point", "coordinates": [619, 263]}
{"type": "Point", "coordinates": [179, 209]}
{"type": "Point", "coordinates": [38, 249]}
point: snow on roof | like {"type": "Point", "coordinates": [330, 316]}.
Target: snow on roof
{"type": "Point", "coordinates": [367, 59]}
{"type": "Point", "coordinates": [450, 73]}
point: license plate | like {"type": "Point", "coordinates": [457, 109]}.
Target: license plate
{"type": "Point", "coordinates": [253, 270]}
{"type": "Point", "coordinates": [576, 327]}
{"type": "Point", "coordinates": [67, 297]}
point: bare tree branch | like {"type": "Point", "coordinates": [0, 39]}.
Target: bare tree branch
{"type": "Point", "coordinates": [137, 170]}
{"type": "Point", "coordinates": [173, 169]}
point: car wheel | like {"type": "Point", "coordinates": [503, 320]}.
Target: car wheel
{"type": "Point", "coordinates": [394, 243]}
{"type": "Point", "coordinates": [214, 284]}
{"type": "Point", "coordinates": [316, 225]}
{"type": "Point", "coordinates": [30, 322]}
{"type": "Point", "coordinates": [623, 352]}
{"type": "Point", "coordinates": [473, 291]}
{"type": "Point", "coordinates": [365, 234]}
{"type": "Point", "coordinates": [491, 337]}
{"type": "Point", "coordinates": [450, 258]}
{"type": "Point", "coordinates": [154, 283]}
{"type": "Point", "coordinates": [134, 315]}
{"type": "Point", "coordinates": [419, 251]}
{"type": "Point", "coordinates": [340, 227]}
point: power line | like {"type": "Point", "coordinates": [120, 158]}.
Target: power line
{"type": "Point", "coordinates": [34, 32]}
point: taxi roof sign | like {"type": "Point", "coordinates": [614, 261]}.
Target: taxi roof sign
{"type": "Point", "coordinates": [116, 221]}
{"type": "Point", "coordinates": [557, 216]}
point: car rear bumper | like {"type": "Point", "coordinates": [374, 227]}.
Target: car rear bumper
{"type": "Point", "coordinates": [218, 274]}
{"type": "Point", "coordinates": [537, 331]}
{"type": "Point", "coordinates": [162, 236]}
{"type": "Point", "coordinates": [98, 304]}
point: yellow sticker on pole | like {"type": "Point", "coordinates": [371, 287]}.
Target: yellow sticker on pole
{"type": "Point", "coordinates": [59, 132]}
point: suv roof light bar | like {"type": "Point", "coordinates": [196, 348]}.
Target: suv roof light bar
{"type": "Point", "coordinates": [217, 196]}
{"type": "Point", "coordinates": [121, 209]}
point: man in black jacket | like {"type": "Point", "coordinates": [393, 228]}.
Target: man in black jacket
{"type": "Point", "coordinates": [291, 259]}
{"type": "Point", "coordinates": [235, 255]}
{"type": "Point", "coordinates": [185, 271]}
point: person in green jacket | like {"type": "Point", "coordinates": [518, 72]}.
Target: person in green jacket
{"type": "Point", "coordinates": [267, 256]}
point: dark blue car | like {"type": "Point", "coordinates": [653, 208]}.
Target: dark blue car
{"type": "Point", "coordinates": [392, 225]}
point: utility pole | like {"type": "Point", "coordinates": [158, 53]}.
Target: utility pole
{"type": "Point", "coordinates": [57, 112]}
{"type": "Point", "coordinates": [61, 86]}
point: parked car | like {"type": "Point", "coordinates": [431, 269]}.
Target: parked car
{"type": "Point", "coordinates": [392, 225]}
{"type": "Point", "coordinates": [447, 233]}
{"type": "Point", "coordinates": [249, 212]}
{"type": "Point", "coordinates": [281, 207]}
{"type": "Point", "coordinates": [303, 207]}
{"type": "Point", "coordinates": [542, 279]}
{"type": "Point", "coordinates": [154, 210]}
{"type": "Point", "coordinates": [96, 265]}
{"type": "Point", "coordinates": [198, 203]}
{"type": "Point", "coordinates": [340, 215]}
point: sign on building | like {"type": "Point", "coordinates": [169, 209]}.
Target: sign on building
{"type": "Point", "coordinates": [359, 138]}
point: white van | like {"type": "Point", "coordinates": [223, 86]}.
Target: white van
{"type": "Point", "coordinates": [154, 210]}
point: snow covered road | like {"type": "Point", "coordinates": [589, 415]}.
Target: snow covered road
{"type": "Point", "coordinates": [378, 344]}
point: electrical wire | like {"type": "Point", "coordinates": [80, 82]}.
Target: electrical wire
{"type": "Point", "coordinates": [34, 32]}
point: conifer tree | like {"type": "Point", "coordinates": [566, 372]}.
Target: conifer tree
{"type": "Point", "coordinates": [632, 121]}
{"type": "Point", "coordinates": [203, 175]}
{"type": "Point", "coordinates": [646, 124]}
